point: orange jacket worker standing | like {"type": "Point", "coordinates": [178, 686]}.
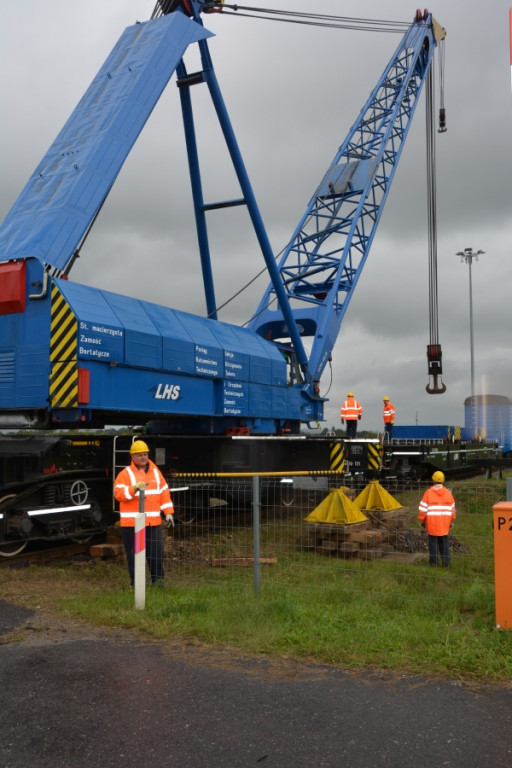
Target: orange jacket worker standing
{"type": "Point", "coordinates": [388, 415]}
{"type": "Point", "coordinates": [143, 473]}
{"type": "Point", "coordinates": [351, 412]}
{"type": "Point", "coordinates": [437, 512]}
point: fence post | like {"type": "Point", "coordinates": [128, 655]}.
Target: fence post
{"type": "Point", "coordinates": [256, 531]}
{"type": "Point", "coordinates": [140, 554]}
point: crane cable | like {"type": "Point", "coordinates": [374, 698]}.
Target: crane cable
{"type": "Point", "coordinates": [431, 211]}
{"type": "Point", "coordinates": [434, 353]}
{"type": "Point", "coordinates": [164, 7]}
{"type": "Point", "coordinates": [315, 19]}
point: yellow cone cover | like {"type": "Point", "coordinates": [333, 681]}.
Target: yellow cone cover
{"type": "Point", "coordinates": [337, 509]}
{"type": "Point", "coordinates": [374, 496]}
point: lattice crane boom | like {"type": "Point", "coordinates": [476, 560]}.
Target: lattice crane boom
{"type": "Point", "coordinates": [324, 259]}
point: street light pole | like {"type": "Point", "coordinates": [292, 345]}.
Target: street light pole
{"type": "Point", "coordinates": [467, 255]}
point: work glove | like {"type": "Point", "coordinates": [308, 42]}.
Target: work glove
{"type": "Point", "coordinates": [343, 421]}
{"type": "Point", "coordinates": [169, 519]}
{"type": "Point", "coordinates": [359, 417]}
{"type": "Point", "coordinates": [138, 487]}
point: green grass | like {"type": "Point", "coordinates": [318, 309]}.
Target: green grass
{"type": "Point", "coordinates": [351, 613]}
{"type": "Point", "coordinates": [408, 621]}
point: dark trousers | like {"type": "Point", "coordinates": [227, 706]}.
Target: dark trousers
{"type": "Point", "coordinates": [154, 551]}
{"type": "Point", "coordinates": [388, 430]}
{"type": "Point", "coordinates": [439, 545]}
{"type": "Point", "coordinates": [351, 428]}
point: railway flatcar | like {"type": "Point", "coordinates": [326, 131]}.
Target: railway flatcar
{"type": "Point", "coordinates": [416, 451]}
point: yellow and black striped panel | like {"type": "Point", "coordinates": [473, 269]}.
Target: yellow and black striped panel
{"type": "Point", "coordinates": [63, 353]}
{"type": "Point", "coordinates": [374, 456]}
{"type": "Point", "coordinates": [337, 457]}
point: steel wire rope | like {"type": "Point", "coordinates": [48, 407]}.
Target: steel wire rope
{"type": "Point", "coordinates": [441, 58]}
{"type": "Point", "coordinates": [316, 19]}
{"type": "Point", "coordinates": [243, 288]}
{"type": "Point", "coordinates": [432, 215]}
{"type": "Point", "coordinates": [164, 7]}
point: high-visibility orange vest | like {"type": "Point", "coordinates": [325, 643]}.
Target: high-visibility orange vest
{"type": "Point", "coordinates": [437, 508]}
{"type": "Point", "coordinates": [351, 409]}
{"type": "Point", "coordinates": [157, 497]}
{"type": "Point", "coordinates": [389, 413]}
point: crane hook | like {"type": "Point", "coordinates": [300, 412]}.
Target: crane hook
{"type": "Point", "coordinates": [435, 389]}
{"type": "Point", "coordinates": [435, 369]}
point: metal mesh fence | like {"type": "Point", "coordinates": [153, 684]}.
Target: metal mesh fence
{"type": "Point", "coordinates": [228, 535]}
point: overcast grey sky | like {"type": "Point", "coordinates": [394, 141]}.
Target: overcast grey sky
{"type": "Point", "coordinates": [292, 93]}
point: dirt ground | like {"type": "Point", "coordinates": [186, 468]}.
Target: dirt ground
{"type": "Point", "coordinates": [44, 628]}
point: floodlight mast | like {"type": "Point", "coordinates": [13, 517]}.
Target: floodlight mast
{"type": "Point", "coordinates": [467, 256]}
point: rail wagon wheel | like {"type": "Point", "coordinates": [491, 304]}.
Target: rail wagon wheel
{"type": "Point", "coordinates": [11, 549]}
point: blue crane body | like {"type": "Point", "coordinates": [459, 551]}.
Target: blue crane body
{"type": "Point", "coordinates": [72, 355]}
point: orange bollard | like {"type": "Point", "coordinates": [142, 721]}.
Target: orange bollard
{"type": "Point", "coordinates": [502, 528]}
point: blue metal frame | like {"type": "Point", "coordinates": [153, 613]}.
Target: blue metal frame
{"type": "Point", "coordinates": [208, 76]}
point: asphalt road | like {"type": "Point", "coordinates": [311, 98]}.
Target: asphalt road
{"type": "Point", "coordinates": [70, 699]}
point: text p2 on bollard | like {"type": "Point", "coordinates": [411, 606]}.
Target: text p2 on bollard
{"type": "Point", "coordinates": [502, 530]}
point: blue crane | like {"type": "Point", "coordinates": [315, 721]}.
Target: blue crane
{"type": "Point", "coordinates": [72, 355]}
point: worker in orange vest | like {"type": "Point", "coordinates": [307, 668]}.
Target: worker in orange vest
{"type": "Point", "coordinates": [143, 474]}
{"type": "Point", "coordinates": [389, 417]}
{"type": "Point", "coordinates": [351, 412]}
{"type": "Point", "coordinates": [437, 513]}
